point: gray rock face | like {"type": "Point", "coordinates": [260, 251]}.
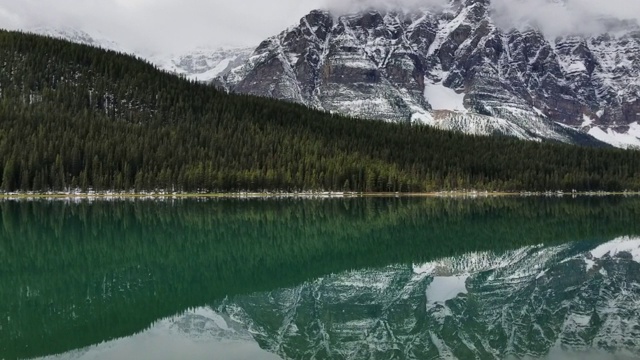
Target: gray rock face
{"type": "Point", "coordinates": [455, 69]}
{"type": "Point", "coordinates": [570, 300]}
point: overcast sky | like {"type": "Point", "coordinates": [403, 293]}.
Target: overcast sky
{"type": "Point", "coordinates": [179, 25]}
{"type": "Point", "coordinates": [166, 24]}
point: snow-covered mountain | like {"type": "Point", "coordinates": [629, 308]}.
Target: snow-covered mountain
{"type": "Point", "coordinates": [454, 68]}
{"type": "Point", "coordinates": [201, 64]}
{"type": "Point", "coordinates": [78, 36]}
{"type": "Point", "coordinates": [570, 301]}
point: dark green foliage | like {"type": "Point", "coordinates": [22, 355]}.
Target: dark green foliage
{"type": "Point", "coordinates": [72, 116]}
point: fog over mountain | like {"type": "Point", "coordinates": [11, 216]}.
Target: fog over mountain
{"type": "Point", "coordinates": [564, 17]}
{"type": "Point", "coordinates": [179, 25]}
{"type": "Point", "coordinates": [553, 17]}
{"type": "Point", "coordinates": [160, 25]}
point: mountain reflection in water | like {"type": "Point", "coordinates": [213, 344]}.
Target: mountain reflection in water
{"type": "Point", "coordinates": [327, 279]}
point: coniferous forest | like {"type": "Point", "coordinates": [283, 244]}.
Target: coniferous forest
{"type": "Point", "coordinates": [72, 116]}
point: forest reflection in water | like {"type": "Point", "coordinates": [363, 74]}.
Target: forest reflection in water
{"type": "Point", "coordinates": [80, 274]}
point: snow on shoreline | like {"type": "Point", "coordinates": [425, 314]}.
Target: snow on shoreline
{"type": "Point", "coordinates": [109, 196]}
{"type": "Point", "coordinates": [166, 195]}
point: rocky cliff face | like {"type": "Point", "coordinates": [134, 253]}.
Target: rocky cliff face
{"type": "Point", "coordinates": [455, 69]}
{"type": "Point", "coordinates": [572, 300]}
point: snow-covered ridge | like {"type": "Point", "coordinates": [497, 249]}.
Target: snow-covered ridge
{"type": "Point", "coordinates": [78, 36]}
{"type": "Point", "coordinates": [415, 65]}
{"type": "Point", "coordinates": [626, 140]}
{"type": "Point", "coordinates": [200, 64]}
{"type": "Point", "coordinates": [451, 67]}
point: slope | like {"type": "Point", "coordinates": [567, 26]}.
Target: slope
{"type": "Point", "coordinates": [73, 116]}
{"type": "Point", "coordinates": [201, 64]}
{"type": "Point", "coordinates": [385, 64]}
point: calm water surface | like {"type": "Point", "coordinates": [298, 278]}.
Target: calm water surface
{"type": "Point", "coordinates": [398, 278]}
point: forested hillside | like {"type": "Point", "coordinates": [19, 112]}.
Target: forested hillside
{"type": "Point", "coordinates": [72, 116]}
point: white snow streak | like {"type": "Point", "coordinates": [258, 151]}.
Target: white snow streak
{"type": "Point", "coordinates": [443, 98]}
{"type": "Point", "coordinates": [621, 140]}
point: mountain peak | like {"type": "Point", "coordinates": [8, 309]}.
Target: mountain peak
{"type": "Point", "coordinates": [76, 35]}
{"type": "Point", "coordinates": [381, 63]}
{"type": "Point", "coordinates": [385, 62]}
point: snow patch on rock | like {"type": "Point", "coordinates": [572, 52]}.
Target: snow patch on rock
{"type": "Point", "coordinates": [443, 98]}
{"type": "Point", "coordinates": [620, 140]}
{"type": "Point", "coordinates": [444, 288]}
{"type": "Point", "coordinates": [620, 245]}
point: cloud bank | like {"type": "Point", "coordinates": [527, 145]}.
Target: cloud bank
{"type": "Point", "coordinates": [557, 17]}
{"type": "Point", "coordinates": [161, 25]}
{"type": "Point", "coordinates": [553, 17]}
{"type": "Point", "coordinates": [354, 6]}
{"type": "Point", "coordinates": [179, 25]}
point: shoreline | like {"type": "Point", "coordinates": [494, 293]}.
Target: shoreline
{"type": "Point", "coordinates": [302, 195]}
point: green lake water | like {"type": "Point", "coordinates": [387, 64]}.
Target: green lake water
{"type": "Point", "coordinates": [375, 278]}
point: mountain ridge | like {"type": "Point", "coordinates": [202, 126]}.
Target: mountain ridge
{"type": "Point", "coordinates": [203, 63]}
{"type": "Point", "coordinates": [453, 68]}
{"type": "Point", "coordinates": [381, 64]}
{"type": "Point", "coordinates": [98, 120]}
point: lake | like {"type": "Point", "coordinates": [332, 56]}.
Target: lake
{"type": "Point", "coordinates": [358, 278]}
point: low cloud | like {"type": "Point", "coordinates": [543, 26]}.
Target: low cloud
{"type": "Point", "coordinates": [553, 17]}
{"type": "Point", "coordinates": [557, 18]}
{"type": "Point", "coordinates": [161, 25]}
{"type": "Point", "coordinates": [353, 6]}
{"type": "Point", "coordinates": [179, 25]}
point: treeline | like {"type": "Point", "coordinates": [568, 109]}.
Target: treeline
{"type": "Point", "coordinates": [72, 116]}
